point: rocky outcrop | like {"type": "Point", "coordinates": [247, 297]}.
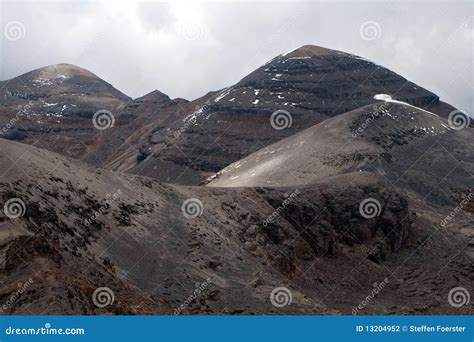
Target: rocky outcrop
{"type": "Point", "coordinates": [326, 220]}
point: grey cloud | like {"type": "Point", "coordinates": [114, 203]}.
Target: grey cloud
{"type": "Point", "coordinates": [186, 50]}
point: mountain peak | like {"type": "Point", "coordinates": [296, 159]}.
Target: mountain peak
{"type": "Point", "coordinates": [154, 95]}
{"type": "Point", "coordinates": [309, 51]}
{"type": "Point", "coordinates": [61, 70]}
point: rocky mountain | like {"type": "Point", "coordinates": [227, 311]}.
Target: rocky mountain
{"type": "Point", "coordinates": [292, 92]}
{"type": "Point", "coordinates": [53, 107]}
{"type": "Point", "coordinates": [409, 147]}
{"type": "Point", "coordinates": [154, 245]}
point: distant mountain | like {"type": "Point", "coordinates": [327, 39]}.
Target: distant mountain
{"type": "Point", "coordinates": [305, 86]}
{"type": "Point", "coordinates": [60, 91]}
{"type": "Point", "coordinates": [53, 107]}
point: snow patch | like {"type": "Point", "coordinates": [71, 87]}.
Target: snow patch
{"type": "Point", "coordinates": [223, 94]}
{"type": "Point", "coordinates": [388, 98]}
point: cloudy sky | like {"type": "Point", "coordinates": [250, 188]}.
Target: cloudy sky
{"type": "Point", "coordinates": [187, 49]}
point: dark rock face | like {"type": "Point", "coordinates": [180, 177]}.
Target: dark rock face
{"type": "Point", "coordinates": [310, 83]}
{"type": "Point", "coordinates": [325, 221]}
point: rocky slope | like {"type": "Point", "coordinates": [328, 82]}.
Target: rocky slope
{"type": "Point", "coordinates": [411, 148]}
{"type": "Point", "coordinates": [379, 197]}
{"type": "Point", "coordinates": [132, 235]}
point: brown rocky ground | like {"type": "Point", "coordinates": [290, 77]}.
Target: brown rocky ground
{"type": "Point", "coordinates": [152, 256]}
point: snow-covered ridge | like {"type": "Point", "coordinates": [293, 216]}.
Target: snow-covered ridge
{"type": "Point", "coordinates": [388, 98]}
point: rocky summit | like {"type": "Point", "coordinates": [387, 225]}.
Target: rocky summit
{"type": "Point", "coordinates": [300, 89]}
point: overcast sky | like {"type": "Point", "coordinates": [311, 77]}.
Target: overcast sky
{"type": "Point", "coordinates": [187, 49]}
